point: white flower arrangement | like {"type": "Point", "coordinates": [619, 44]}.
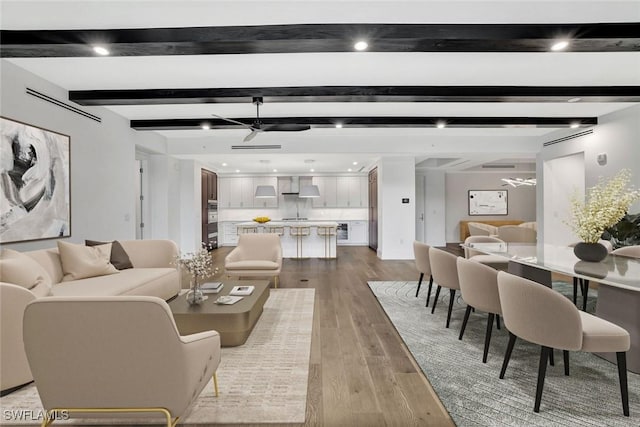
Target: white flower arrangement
{"type": "Point", "coordinates": [198, 264]}
{"type": "Point", "coordinates": [606, 204]}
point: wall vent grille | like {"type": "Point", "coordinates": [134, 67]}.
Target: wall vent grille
{"type": "Point", "coordinates": [567, 138]}
{"type": "Point", "coordinates": [256, 147]}
{"type": "Point", "coordinates": [498, 166]}
{"type": "Point", "coordinates": [62, 104]}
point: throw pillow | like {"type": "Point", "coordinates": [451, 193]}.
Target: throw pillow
{"type": "Point", "coordinates": [81, 262]}
{"type": "Point", "coordinates": [119, 257]}
{"type": "Point", "coordinates": [19, 269]}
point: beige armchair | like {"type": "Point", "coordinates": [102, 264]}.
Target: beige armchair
{"type": "Point", "coordinates": [421, 254]}
{"type": "Point", "coordinates": [542, 316]}
{"type": "Point", "coordinates": [114, 356]}
{"type": "Point", "coordinates": [445, 273]}
{"type": "Point", "coordinates": [256, 255]}
{"type": "Point", "coordinates": [480, 229]}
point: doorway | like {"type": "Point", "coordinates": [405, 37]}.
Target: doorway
{"type": "Point", "coordinates": [373, 209]}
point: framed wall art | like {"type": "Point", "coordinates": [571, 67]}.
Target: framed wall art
{"type": "Point", "coordinates": [488, 202]}
{"type": "Point", "coordinates": [35, 192]}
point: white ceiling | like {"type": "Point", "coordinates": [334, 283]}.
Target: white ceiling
{"type": "Point", "coordinates": [335, 149]}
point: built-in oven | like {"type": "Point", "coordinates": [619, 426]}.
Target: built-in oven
{"type": "Point", "coordinates": [342, 232]}
{"type": "Point", "coordinates": [212, 224]}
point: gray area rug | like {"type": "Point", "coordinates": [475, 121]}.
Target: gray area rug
{"type": "Point", "coordinates": [261, 381]}
{"type": "Point", "coordinates": [472, 392]}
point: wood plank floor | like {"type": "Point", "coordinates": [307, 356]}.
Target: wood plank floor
{"type": "Point", "coordinates": [361, 373]}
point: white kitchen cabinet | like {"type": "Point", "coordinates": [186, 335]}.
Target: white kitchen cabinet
{"type": "Point", "coordinates": [224, 192]}
{"type": "Point", "coordinates": [364, 191]}
{"type": "Point", "coordinates": [349, 191]}
{"type": "Point", "coordinates": [229, 233]}
{"type": "Point", "coordinates": [328, 194]}
{"type": "Point", "coordinates": [358, 233]}
{"type": "Point", "coordinates": [239, 192]}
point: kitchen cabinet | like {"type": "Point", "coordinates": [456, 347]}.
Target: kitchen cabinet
{"type": "Point", "coordinates": [239, 192]}
{"type": "Point", "coordinates": [349, 192]}
{"type": "Point", "coordinates": [229, 233]}
{"type": "Point", "coordinates": [328, 191]}
{"type": "Point", "coordinates": [358, 231]}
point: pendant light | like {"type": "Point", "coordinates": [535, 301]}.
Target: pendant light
{"type": "Point", "coordinates": [265, 191]}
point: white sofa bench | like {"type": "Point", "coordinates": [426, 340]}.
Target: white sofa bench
{"type": "Point", "coordinates": [154, 273]}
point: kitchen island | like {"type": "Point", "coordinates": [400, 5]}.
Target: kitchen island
{"type": "Point", "coordinates": [300, 239]}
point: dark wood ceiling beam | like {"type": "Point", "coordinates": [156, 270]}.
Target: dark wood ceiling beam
{"type": "Point", "coordinates": [356, 122]}
{"type": "Point", "coordinates": [299, 38]}
{"type": "Point", "coordinates": [358, 94]}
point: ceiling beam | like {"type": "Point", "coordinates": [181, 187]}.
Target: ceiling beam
{"type": "Point", "coordinates": [357, 94]}
{"type": "Point", "coordinates": [299, 38]}
{"type": "Point", "coordinates": [369, 122]}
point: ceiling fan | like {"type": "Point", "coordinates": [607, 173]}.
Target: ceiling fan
{"type": "Point", "coordinates": [257, 125]}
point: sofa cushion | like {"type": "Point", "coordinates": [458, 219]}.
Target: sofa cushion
{"type": "Point", "coordinates": [79, 261]}
{"type": "Point", "coordinates": [19, 269]}
{"type": "Point", "coordinates": [251, 265]}
{"type": "Point", "coordinates": [119, 257]}
{"type": "Point", "coordinates": [161, 282]}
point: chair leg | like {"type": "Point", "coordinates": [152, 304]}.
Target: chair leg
{"type": "Point", "coordinates": [575, 291]}
{"type": "Point", "coordinates": [585, 294]}
{"type": "Point", "coordinates": [419, 284]}
{"type": "Point", "coordinates": [552, 361]}
{"type": "Point", "coordinates": [435, 299]}
{"type": "Point", "coordinates": [452, 296]}
{"type": "Point", "coordinates": [565, 354]}
{"type": "Point", "coordinates": [507, 354]}
{"type": "Point", "coordinates": [542, 371]}
{"type": "Point", "coordinates": [464, 321]}
{"type": "Point", "coordinates": [487, 337]}
{"type": "Point", "coordinates": [622, 374]}
{"type": "Point", "coordinates": [429, 290]}
{"type": "Point", "coordinates": [215, 383]}
{"type": "Point", "coordinates": [498, 321]}
{"type": "Point", "coordinates": [275, 281]}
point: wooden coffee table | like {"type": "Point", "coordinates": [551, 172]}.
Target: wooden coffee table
{"type": "Point", "coordinates": [233, 322]}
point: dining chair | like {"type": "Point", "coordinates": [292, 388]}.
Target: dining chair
{"type": "Point", "coordinates": [495, 261]}
{"type": "Point", "coordinates": [479, 288]}
{"type": "Point", "coordinates": [516, 234]}
{"type": "Point", "coordinates": [628, 251]}
{"type": "Point", "coordinates": [540, 315]}
{"type": "Point", "coordinates": [445, 273]}
{"type": "Point", "coordinates": [421, 255]}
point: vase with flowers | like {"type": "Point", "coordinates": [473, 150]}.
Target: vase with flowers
{"type": "Point", "coordinates": [606, 204]}
{"type": "Point", "coordinates": [199, 265]}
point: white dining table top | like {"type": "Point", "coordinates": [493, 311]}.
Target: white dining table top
{"type": "Point", "coordinates": [614, 270]}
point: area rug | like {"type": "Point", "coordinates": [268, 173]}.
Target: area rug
{"type": "Point", "coordinates": [471, 390]}
{"type": "Point", "coordinates": [261, 381]}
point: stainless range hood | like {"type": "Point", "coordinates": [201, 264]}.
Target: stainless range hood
{"type": "Point", "coordinates": [291, 186]}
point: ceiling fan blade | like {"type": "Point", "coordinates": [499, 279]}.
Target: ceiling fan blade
{"type": "Point", "coordinates": [233, 121]}
{"type": "Point", "coordinates": [285, 128]}
{"type": "Point", "coordinates": [252, 135]}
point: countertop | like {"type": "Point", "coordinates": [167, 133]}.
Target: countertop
{"type": "Point", "coordinates": [291, 223]}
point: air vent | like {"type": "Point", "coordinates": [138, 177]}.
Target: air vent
{"type": "Point", "coordinates": [498, 166]}
{"type": "Point", "coordinates": [361, 169]}
{"type": "Point", "coordinates": [256, 147]}
{"type": "Point", "coordinates": [567, 138]}
{"type": "Point", "coordinates": [62, 104]}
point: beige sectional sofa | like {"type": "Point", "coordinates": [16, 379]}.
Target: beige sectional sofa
{"type": "Point", "coordinates": [154, 273]}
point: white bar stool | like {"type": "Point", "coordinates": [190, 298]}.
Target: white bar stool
{"type": "Point", "coordinates": [327, 232]}
{"type": "Point", "coordinates": [299, 231]}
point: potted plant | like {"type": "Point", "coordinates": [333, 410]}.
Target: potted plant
{"type": "Point", "coordinates": [605, 205]}
{"type": "Point", "coordinates": [625, 232]}
{"type": "Point", "coordinates": [199, 265]}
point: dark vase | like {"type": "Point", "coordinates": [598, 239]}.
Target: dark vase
{"type": "Point", "coordinates": [591, 252]}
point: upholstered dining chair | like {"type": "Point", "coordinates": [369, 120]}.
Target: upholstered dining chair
{"type": "Point", "coordinates": [516, 234]}
{"type": "Point", "coordinates": [256, 255]}
{"type": "Point", "coordinates": [542, 316]}
{"type": "Point", "coordinates": [495, 261]}
{"type": "Point", "coordinates": [421, 255]}
{"type": "Point", "coordinates": [445, 273]}
{"type": "Point", "coordinates": [116, 356]}
{"type": "Point", "coordinates": [479, 288]}
{"type": "Point", "coordinates": [628, 251]}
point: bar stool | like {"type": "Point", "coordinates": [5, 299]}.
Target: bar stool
{"type": "Point", "coordinates": [299, 231]}
{"type": "Point", "coordinates": [247, 229]}
{"type": "Point", "coordinates": [275, 229]}
{"type": "Point", "coordinates": [327, 231]}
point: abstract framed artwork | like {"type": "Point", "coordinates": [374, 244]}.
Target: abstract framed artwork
{"type": "Point", "coordinates": [488, 202]}
{"type": "Point", "coordinates": [35, 192]}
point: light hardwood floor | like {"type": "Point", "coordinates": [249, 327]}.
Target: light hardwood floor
{"type": "Point", "coordinates": [361, 373]}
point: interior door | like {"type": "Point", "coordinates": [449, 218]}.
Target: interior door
{"type": "Point", "coordinates": [373, 209]}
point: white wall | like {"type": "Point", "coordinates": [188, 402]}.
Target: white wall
{"type": "Point", "coordinates": [102, 157]}
{"type": "Point", "coordinates": [521, 200]}
{"type": "Point", "coordinates": [396, 220]}
{"type": "Point", "coordinates": [617, 134]}
{"type": "Point", "coordinates": [435, 208]}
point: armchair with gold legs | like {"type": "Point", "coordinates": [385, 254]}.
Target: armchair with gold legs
{"type": "Point", "coordinates": [115, 356]}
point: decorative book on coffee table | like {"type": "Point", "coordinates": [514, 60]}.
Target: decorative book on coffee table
{"type": "Point", "coordinates": [242, 290]}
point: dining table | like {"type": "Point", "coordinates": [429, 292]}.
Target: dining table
{"type": "Point", "coordinates": [617, 276]}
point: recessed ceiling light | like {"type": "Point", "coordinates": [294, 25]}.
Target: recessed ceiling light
{"type": "Point", "coordinates": [206, 127]}
{"type": "Point", "coordinates": [560, 45]}
{"type": "Point", "coordinates": [574, 100]}
{"type": "Point", "coordinates": [441, 125]}
{"type": "Point", "coordinates": [349, 170]}
{"type": "Point", "coordinates": [275, 170]}
{"type": "Point", "coordinates": [312, 170]}
{"type": "Point", "coordinates": [100, 50]}
{"type": "Point", "coordinates": [339, 125]}
{"type": "Point", "coordinates": [575, 125]}
{"type": "Point", "coordinates": [361, 45]}
{"type": "Point", "coordinates": [224, 164]}
{"type": "Point", "coordinates": [237, 170]}
{"type": "Point", "coordinates": [355, 163]}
